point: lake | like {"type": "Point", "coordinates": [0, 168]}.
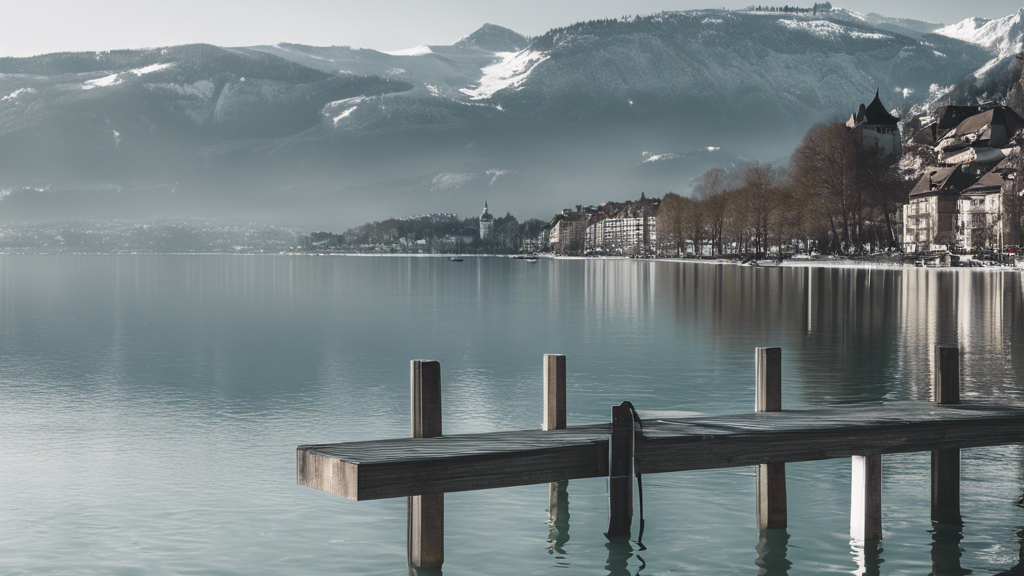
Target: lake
{"type": "Point", "coordinates": [151, 406]}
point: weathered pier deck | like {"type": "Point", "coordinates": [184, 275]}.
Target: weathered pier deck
{"type": "Point", "coordinates": [429, 464]}
{"type": "Point", "coordinates": [408, 466]}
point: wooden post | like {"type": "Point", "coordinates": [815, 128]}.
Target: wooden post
{"type": "Point", "coordinates": [554, 392]}
{"type": "Point", "coordinates": [426, 512]}
{"type": "Point", "coordinates": [620, 472]}
{"type": "Point", "coordinates": [770, 477]}
{"type": "Point", "coordinates": [946, 462]}
{"type": "Point", "coordinates": [866, 498]}
{"type": "Point", "coordinates": [554, 419]}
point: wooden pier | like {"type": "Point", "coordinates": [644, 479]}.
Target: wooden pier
{"type": "Point", "coordinates": [429, 464]}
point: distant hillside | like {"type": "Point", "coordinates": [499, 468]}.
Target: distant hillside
{"type": "Point", "coordinates": [332, 136]}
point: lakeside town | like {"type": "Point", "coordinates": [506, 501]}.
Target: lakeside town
{"type": "Point", "coordinates": [943, 185]}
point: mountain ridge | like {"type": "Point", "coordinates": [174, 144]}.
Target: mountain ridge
{"type": "Point", "coordinates": [285, 128]}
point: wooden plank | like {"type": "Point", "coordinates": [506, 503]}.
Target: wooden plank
{"type": "Point", "coordinates": [946, 463]}
{"type": "Point", "coordinates": [769, 478]}
{"type": "Point", "coordinates": [620, 472]}
{"type": "Point", "coordinates": [866, 498]}
{"type": "Point", "coordinates": [403, 467]}
{"type": "Point", "coordinates": [426, 510]}
{"type": "Point", "coordinates": [798, 436]}
{"type": "Point", "coordinates": [554, 392]}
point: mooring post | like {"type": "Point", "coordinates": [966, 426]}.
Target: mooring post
{"type": "Point", "coordinates": [554, 419]}
{"type": "Point", "coordinates": [866, 498]}
{"type": "Point", "coordinates": [946, 462]}
{"type": "Point", "coordinates": [620, 472]}
{"type": "Point", "coordinates": [554, 391]}
{"type": "Point", "coordinates": [770, 477]}
{"type": "Point", "coordinates": [426, 512]}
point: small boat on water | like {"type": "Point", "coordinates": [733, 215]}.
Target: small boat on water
{"type": "Point", "coordinates": [531, 260]}
{"type": "Point", "coordinates": [454, 259]}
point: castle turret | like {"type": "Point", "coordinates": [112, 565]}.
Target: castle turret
{"type": "Point", "coordinates": [486, 223]}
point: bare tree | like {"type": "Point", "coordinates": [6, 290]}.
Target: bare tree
{"type": "Point", "coordinates": [884, 188]}
{"type": "Point", "coordinates": [824, 170]}
{"type": "Point", "coordinates": [670, 230]}
{"type": "Point", "coordinates": [710, 191]}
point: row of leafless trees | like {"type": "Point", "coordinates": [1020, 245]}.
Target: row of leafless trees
{"type": "Point", "coordinates": [834, 197]}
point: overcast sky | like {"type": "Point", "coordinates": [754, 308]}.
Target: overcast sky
{"type": "Point", "coordinates": [30, 27]}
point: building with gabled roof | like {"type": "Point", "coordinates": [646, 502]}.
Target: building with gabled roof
{"type": "Point", "coordinates": [930, 217]}
{"type": "Point", "coordinates": [980, 221]}
{"type": "Point", "coordinates": [874, 127]}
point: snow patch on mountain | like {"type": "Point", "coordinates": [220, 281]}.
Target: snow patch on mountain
{"type": "Point", "coordinates": [509, 72]}
{"type": "Point", "coordinates": [450, 181]}
{"type": "Point", "coordinates": [826, 29]}
{"type": "Point", "coordinates": [652, 157]}
{"type": "Point", "coordinates": [17, 93]}
{"type": "Point", "coordinates": [151, 68]}
{"type": "Point", "coordinates": [104, 82]}
{"type": "Point", "coordinates": [1002, 35]}
{"type": "Point", "coordinates": [344, 114]}
{"type": "Point", "coordinates": [417, 51]}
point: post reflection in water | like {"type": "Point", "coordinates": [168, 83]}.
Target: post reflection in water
{"type": "Point", "coordinates": [771, 553]}
{"type": "Point", "coordinates": [867, 554]}
{"type": "Point", "coordinates": [946, 550]}
{"type": "Point", "coordinates": [559, 520]}
{"type": "Point", "coordinates": [620, 550]}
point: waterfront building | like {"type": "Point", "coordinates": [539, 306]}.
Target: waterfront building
{"type": "Point", "coordinates": [929, 219]}
{"type": "Point", "coordinates": [623, 228]}
{"type": "Point", "coordinates": [486, 223]}
{"type": "Point", "coordinates": [981, 221]}
{"type": "Point", "coordinates": [567, 230]}
{"type": "Point", "coordinates": [959, 203]}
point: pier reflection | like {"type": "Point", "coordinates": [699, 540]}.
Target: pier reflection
{"type": "Point", "coordinates": [868, 557]}
{"type": "Point", "coordinates": [946, 550]}
{"type": "Point", "coordinates": [771, 548]}
{"type": "Point", "coordinates": [558, 511]}
{"type": "Point", "coordinates": [620, 550]}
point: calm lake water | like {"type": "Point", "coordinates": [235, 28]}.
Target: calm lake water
{"type": "Point", "coordinates": [150, 407]}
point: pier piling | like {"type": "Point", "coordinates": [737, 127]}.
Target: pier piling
{"type": "Point", "coordinates": [866, 498]}
{"type": "Point", "coordinates": [770, 477]}
{"type": "Point", "coordinates": [946, 462]}
{"type": "Point", "coordinates": [426, 511]}
{"type": "Point", "coordinates": [554, 419]}
{"type": "Point", "coordinates": [620, 472]}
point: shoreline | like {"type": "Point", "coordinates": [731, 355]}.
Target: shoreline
{"type": "Point", "coordinates": [825, 262]}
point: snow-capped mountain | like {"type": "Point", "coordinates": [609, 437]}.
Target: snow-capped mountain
{"type": "Point", "coordinates": [321, 135]}
{"type": "Point", "coordinates": [1004, 39]}
{"type": "Point", "coordinates": [1002, 36]}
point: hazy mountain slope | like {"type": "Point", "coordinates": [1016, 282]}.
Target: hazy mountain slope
{"type": "Point", "coordinates": [321, 134]}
